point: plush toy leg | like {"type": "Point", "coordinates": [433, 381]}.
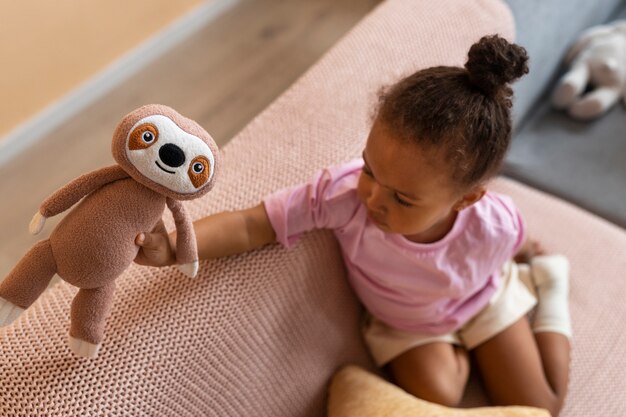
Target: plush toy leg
{"type": "Point", "coordinates": [595, 103]}
{"type": "Point", "coordinates": [26, 282]}
{"type": "Point", "coordinates": [90, 309]}
{"type": "Point", "coordinates": [571, 86]}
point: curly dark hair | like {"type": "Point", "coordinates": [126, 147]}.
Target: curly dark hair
{"type": "Point", "coordinates": [464, 112]}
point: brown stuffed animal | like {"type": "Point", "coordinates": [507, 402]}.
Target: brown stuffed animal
{"type": "Point", "coordinates": [162, 158]}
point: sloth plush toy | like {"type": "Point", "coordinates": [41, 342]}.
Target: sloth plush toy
{"type": "Point", "coordinates": [162, 158]}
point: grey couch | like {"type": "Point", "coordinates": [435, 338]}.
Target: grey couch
{"type": "Point", "coordinates": [583, 162]}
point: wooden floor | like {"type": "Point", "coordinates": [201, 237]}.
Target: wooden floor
{"type": "Point", "coordinates": [48, 48]}
{"type": "Point", "coordinates": [222, 77]}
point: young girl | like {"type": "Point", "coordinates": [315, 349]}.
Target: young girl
{"type": "Point", "coordinates": [427, 248]}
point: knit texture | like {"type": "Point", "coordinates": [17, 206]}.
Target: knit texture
{"type": "Point", "coordinates": [260, 334]}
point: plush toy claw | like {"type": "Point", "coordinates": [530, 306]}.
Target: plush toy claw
{"type": "Point", "coordinates": [82, 348]}
{"type": "Point", "coordinates": [598, 58]}
{"type": "Point", "coordinates": [162, 159]}
{"type": "Point", "coordinates": [9, 312]}
{"type": "Point", "coordinates": [190, 269]}
{"type": "Point", "coordinates": [37, 223]}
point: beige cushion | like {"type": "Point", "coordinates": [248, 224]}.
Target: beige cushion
{"type": "Point", "coordinates": [355, 392]}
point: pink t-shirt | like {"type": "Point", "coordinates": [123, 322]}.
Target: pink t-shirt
{"type": "Point", "coordinates": [427, 288]}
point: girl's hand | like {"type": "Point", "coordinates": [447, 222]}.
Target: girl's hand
{"type": "Point", "coordinates": [529, 249]}
{"type": "Point", "coordinates": [155, 248]}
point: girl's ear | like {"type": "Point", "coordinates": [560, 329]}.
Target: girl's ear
{"type": "Point", "coordinates": [470, 198]}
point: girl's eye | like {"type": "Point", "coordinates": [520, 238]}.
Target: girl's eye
{"type": "Point", "coordinates": [367, 172]}
{"type": "Point", "coordinates": [401, 201]}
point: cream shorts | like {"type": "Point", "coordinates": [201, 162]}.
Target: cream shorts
{"type": "Point", "coordinates": [511, 301]}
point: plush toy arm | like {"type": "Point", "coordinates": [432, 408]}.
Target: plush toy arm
{"type": "Point", "coordinates": [68, 195]}
{"type": "Point", "coordinates": [186, 246]}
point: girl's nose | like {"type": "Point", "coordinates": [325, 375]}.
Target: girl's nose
{"type": "Point", "coordinates": [375, 200]}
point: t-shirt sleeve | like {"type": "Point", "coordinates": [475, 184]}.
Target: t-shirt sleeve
{"type": "Point", "coordinates": [326, 202]}
{"type": "Point", "coordinates": [517, 223]}
{"type": "Point", "coordinates": [521, 227]}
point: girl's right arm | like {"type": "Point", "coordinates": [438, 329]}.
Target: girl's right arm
{"type": "Point", "coordinates": [221, 234]}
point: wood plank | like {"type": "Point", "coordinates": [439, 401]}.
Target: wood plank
{"type": "Point", "coordinates": [49, 48]}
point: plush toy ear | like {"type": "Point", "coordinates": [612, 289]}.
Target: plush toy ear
{"type": "Point", "coordinates": [584, 39]}
{"type": "Point", "coordinates": [355, 392]}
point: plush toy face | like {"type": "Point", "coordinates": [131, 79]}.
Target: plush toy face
{"type": "Point", "coordinates": [167, 152]}
{"type": "Point", "coordinates": [163, 152]}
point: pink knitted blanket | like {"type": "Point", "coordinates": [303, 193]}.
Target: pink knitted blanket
{"type": "Point", "coordinates": [260, 334]}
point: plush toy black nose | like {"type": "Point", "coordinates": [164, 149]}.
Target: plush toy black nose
{"type": "Point", "coordinates": [172, 155]}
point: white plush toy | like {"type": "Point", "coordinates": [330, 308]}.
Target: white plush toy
{"type": "Point", "coordinates": [598, 58]}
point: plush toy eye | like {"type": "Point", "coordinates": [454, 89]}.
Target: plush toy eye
{"type": "Point", "coordinates": [199, 171]}
{"type": "Point", "coordinates": [143, 137]}
{"type": "Point", "coordinates": [148, 137]}
{"type": "Point", "coordinates": [198, 168]}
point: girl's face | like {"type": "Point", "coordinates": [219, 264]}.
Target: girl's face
{"type": "Point", "coordinates": [407, 189]}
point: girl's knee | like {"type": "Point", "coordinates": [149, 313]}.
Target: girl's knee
{"type": "Point", "coordinates": [445, 387]}
{"type": "Point", "coordinates": [436, 372]}
{"type": "Point", "coordinates": [436, 390]}
{"type": "Point", "coordinates": [552, 404]}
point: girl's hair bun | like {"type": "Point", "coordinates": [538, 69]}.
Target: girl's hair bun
{"type": "Point", "coordinates": [493, 62]}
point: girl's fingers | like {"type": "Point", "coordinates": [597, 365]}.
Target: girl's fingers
{"type": "Point", "coordinates": [154, 249]}
{"type": "Point", "coordinates": [160, 227]}
{"type": "Point", "coordinates": [147, 240]}
{"type": "Point", "coordinates": [537, 248]}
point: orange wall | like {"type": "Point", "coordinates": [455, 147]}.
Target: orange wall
{"type": "Point", "coordinates": [48, 48]}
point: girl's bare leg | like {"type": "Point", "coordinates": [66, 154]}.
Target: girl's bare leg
{"type": "Point", "coordinates": [435, 372]}
{"type": "Point", "coordinates": [522, 368]}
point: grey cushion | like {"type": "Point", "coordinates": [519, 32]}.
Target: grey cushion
{"type": "Point", "coordinates": [546, 28]}
{"type": "Point", "coordinates": [584, 162]}
{"type": "Point", "coordinates": [581, 162]}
